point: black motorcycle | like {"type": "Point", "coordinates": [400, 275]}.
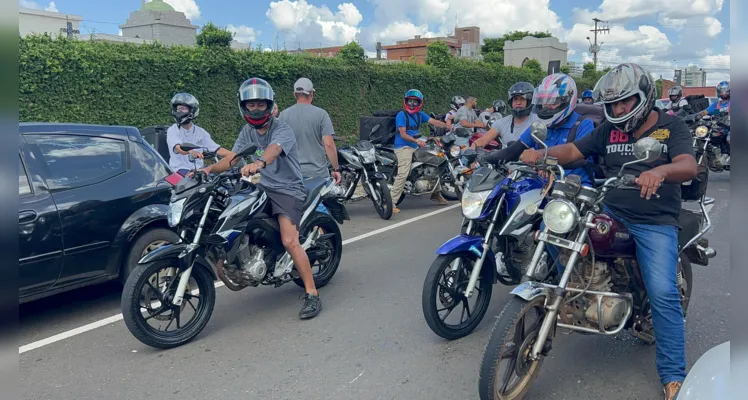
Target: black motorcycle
{"type": "Point", "coordinates": [710, 142]}
{"type": "Point", "coordinates": [227, 233]}
{"type": "Point", "coordinates": [360, 161]}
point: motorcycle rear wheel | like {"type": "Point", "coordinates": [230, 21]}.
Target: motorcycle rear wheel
{"type": "Point", "coordinates": [140, 280]}
{"type": "Point", "coordinates": [334, 247]}
{"type": "Point", "coordinates": [504, 337]}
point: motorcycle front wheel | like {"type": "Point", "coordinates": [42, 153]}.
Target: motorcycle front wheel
{"type": "Point", "coordinates": [444, 290]}
{"type": "Point", "coordinates": [147, 301]}
{"type": "Point", "coordinates": [511, 340]}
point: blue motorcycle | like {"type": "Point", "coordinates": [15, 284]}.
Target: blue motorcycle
{"type": "Point", "coordinates": [500, 207]}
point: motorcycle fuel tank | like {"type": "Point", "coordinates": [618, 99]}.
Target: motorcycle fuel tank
{"type": "Point", "coordinates": [610, 238]}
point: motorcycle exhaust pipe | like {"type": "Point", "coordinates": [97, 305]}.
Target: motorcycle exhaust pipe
{"type": "Point", "coordinates": [226, 281]}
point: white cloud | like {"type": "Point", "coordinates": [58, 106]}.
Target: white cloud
{"type": "Point", "coordinates": [188, 7]}
{"type": "Point", "coordinates": [646, 40]}
{"type": "Point", "coordinates": [714, 27]}
{"type": "Point", "coordinates": [617, 10]}
{"type": "Point", "coordinates": [313, 25]}
{"type": "Point", "coordinates": [243, 33]}
{"type": "Point", "coordinates": [34, 5]}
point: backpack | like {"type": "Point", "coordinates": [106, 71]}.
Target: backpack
{"type": "Point", "coordinates": [409, 118]}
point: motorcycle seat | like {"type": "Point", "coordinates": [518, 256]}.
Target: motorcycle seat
{"type": "Point", "coordinates": [388, 147]}
{"type": "Point", "coordinates": [313, 186]}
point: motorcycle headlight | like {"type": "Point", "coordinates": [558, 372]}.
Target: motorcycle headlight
{"type": "Point", "coordinates": [368, 156]}
{"type": "Point", "coordinates": [560, 216]}
{"type": "Point", "coordinates": [701, 131]}
{"type": "Point", "coordinates": [175, 212]}
{"type": "Point", "coordinates": [455, 151]}
{"type": "Point", "coordinates": [472, 203]}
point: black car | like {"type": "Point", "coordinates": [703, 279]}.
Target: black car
{"type": "Point", "coordinates": [93, 200]}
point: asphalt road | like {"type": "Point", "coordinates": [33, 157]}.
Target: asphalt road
{"type": "Point", "coordinates": [369, 342]}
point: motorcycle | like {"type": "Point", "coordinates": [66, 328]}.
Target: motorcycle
{"type": "Point", "coordinates": [226, 233]}
{"type": "Point", "coordinates": [495, 246]}
{"type": "Point", "coordinates": [489, 119]}
{"type": "Point", "coordinates": [359, 161]}
{"type": "Point", "coordinates": [429, 168]}
{"type": "Point", "coordinates": [710, 142]}
{"type": "Point", "coordinates": [601, 290]}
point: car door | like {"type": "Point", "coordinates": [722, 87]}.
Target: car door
{"type": "Point", "coordinates": [77, 169]}
{"type": "Point", "coordinates": [39, 231]}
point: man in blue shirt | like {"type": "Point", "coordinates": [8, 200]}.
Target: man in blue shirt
{"type": "Point", "coordinates": [408, 123]}
{"type": "Point", "coordinates": [554, 101]}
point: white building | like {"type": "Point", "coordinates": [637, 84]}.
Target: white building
{"type": "Point", "coordinates": [33, 22]}
{"type": "Point", "coordinates": [550, 52]}
{"type": "Point", "coordinates": [158, 21]}
{"type": "Point", "coordinates": [575, 68]}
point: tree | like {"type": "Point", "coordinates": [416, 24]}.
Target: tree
{"type": "Point", "coordinates": [493, 48]}
{"type": "Point", "coordinates": [496, 57]}
{"type": "Point", "coordinates": [352, 52]}
{"type": "Point", "coordinates": [438, 55]}
{"type": "Point", "coordinates": [658, 85]}
{"type": "Point", "coordinates": [565, 69]}
{"type": "Point", "coordinates": [212, 36]}
{"type": "Point", "coordinates": [533, 65]}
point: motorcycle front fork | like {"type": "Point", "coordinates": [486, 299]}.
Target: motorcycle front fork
{"type": "Point", "coordinates": [475, 273]}
{"type": "Point", "coordinates": [185, 277]}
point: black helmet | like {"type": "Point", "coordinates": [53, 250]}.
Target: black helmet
{"type": "Point", "coordinates": [620, 83]}
{"type": "Point", "coordinates": [184, 99]}
{"type": "Point", "coordinates": [457, 102]}
{"type": "Point", "coordinates": [254, 89]}
{"type": "Point", "coordinates": [499, 106]}
{"type": "Point", "coordinates": [524, 89]}
{"type": "Point", "coordinates": [677, 92]}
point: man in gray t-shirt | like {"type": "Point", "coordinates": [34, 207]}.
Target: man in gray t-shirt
{"type": "Point", "coordinates": [466, 116]}
{"type": "Point", "coordinates": [313, 130]}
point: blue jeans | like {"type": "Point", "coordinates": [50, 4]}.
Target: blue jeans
{"type": "Point", "coordinates": [657, 253]}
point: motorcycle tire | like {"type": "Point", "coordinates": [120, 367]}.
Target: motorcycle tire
{"type": "Point", "coordinates": [501, 334]}
{"type": "Point", "coordinates": [133, 316]}
{"type": "Point", "coordinates": [430, 303]}
{"type": "Point", "coordinates": [384, 209]}
{"type": "Point", "coordinates": [334, 245]}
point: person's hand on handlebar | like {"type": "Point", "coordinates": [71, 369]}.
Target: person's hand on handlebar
{"type": "Point", "coordinates": [196, 154]}
{"type": "Point", "coordinates": [649, 182]}
{"type": "Point", "coordinates": [205, 170]}
{"type": "Point", "coordinates": [251, 169]}
{"type": "Point", "coordinates": [530, 156]}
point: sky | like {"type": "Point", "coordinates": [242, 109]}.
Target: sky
{"type": "Point", "coordinates": [660, 35]}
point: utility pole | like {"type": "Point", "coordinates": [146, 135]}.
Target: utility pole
{"type": "Point", "coordinates": [595, 48]}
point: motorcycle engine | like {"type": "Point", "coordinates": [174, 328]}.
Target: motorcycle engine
{"type": "Point", "coordinates": [426, 179]}
{"type": "Point", "coordinates": [582, 311]}
{"type": "Point", "coordinates": [346, 180]}
{"type": "Point", "coordinates": [251, 268]}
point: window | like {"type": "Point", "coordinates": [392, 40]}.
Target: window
{"type": "Point", "coordinates": [23, 181]}
{"type": "Point", "coordinates": [73, 161]}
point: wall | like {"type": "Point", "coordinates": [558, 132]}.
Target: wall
{"type": "Point", "coordinates": [542, 49]}
{"type": "Point", "coordinates": [39, 22]}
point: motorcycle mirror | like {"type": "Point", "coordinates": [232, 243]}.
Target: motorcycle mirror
{"type": "Point", "coordinates": [245, 152]}
{"type": "Point", "coordinates": [539, 132]}
{"type": "Point", "coordinates": [374, 129]}
{"type": "Point", "coordinates": [187, 146]}
{"type": "Point", "coordinates": [647, 149]}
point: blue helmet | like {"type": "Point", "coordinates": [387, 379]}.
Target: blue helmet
{"type": "Point", "coordinates": [722, 88]}
{"type": "Point", "coordinates": [587, 93]}
{"type": "Point", "coordinates": [413, 94]}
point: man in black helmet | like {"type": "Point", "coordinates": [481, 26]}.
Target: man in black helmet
{"type": "Point", "coordinates": [185, 108]}
{"type": "Point", "coordinates": [508, 129]}
{"type": "Point", "coordinates": [628, 94]}
{"type": "Point", "coordinates": [281, 175]}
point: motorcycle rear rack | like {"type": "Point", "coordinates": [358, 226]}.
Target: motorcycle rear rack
{"type": "Point", "coordinates": [601, 329]}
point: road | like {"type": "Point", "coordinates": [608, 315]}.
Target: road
{"type": "Point", "coordinates": [369, 342]}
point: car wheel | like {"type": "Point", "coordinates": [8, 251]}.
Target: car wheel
{"type": "Point", "coordinates": [146, 242]}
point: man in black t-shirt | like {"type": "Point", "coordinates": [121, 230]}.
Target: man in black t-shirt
{"type": "Point", "coordinates": [628, 93]}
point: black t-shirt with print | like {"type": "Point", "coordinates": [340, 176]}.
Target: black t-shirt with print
{"type": "Point", "coordinates": [617, 148]}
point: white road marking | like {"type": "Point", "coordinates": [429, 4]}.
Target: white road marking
{"type": "Point", "coordinates": [118, 317]}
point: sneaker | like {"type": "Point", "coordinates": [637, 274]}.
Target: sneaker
{"type": "Point", "coordinates": [395, 210]}
{"type": "Point", "coordinates": [312, 306]}
{"type": "Point", "coordinates": [671, 389]}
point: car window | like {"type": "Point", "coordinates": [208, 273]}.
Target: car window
{"type": "Point", "coordinates": [23, 180]}
{"type": "Point", "coordinates": [73, 161]}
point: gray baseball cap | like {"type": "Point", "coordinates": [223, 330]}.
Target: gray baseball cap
{"type": "Point", "coordinates": [303, 85]}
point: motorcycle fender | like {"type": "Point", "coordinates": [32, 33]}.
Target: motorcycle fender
{"type": "Point", "coordinates": [337, 210]}
{"type": "Point", "coordinates": [519, 217]}
{"type": "Point", "coordinates": [379, 175]}
{"type": "Point", "coordinates": [531, 290]}
{"type": "Point", "coordinates": [461, 243]}
{"type": "Point", "coordinates": [185, 259]}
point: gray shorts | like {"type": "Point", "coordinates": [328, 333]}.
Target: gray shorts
{"type": "Point", "coordinates": [283, 204]}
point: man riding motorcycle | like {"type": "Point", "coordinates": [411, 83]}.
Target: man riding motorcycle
{"type": "Point", "coordinates": [587, 97]}
{"type": "Point", "coordinates": [554, 102]}
{"type": "Point", "coordinates": [281, 175]}
{"type": "Point", "coordinates": [628, 93]}
{"type": "Point", "coordinates": [678, 104]}
{"type": "Point", "coordinates": [456, 103]}
{"type": "Point", "coordinates": [509, 128]}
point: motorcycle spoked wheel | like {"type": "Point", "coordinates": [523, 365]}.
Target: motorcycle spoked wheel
{"type": "Point", "coordinates": [511, 341]}
{"type": "Point", "coordinates": [685, 287]}
{"type": "Point", "coordinates": [456, 194]}
{"type": "Point", "coordinates": [438, 297]}
{"type": "Point", "coordinates": [142, 292]}
{"type": "Point", "coordinates": [384, 205]}
{"type": "Point", "coordinates": [332, 247]}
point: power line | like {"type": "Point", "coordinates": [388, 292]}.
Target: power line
{"type": "Point", "coordinates": [594, 48]}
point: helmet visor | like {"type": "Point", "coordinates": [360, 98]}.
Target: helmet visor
{"type": "Point", "coordinates": [614, 87]}
{"type": "Point", "coordinates": [255, 92]}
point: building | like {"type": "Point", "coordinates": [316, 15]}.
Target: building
{"type": "Point", "coordinates": [33, 22]}
{"type": "Point", "coordinates": [158, 21]}
{"type": "Point", "coordinates": [464, 43]}
{"type": "Point", "coordinates": [319, 52]}
{"type": "Point", "coordinates": [707, 91]}
{"type": "Point", "coordinates": [575, 68]}
{"type": "Point", "coordinates": [550, 52]}
{"type": "Point", "coordinates": [691, 76]}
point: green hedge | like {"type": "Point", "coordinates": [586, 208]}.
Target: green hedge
{"type": "Point", "coordinates": [65, 80]}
